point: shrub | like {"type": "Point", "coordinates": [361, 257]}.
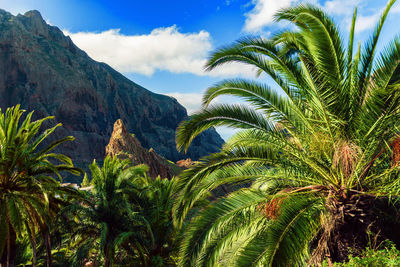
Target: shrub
{"type": "Point", "coordinates": [388, 256]}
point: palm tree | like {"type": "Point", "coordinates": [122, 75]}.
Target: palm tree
{"type": "Point", "coordinates": [154, 200]}
{"type": "Point", "coordinates": [105, 221]}
{"type": "Point", "coordinates": [29, 195]}
{"type": "Point", "coordinates": [322, 153]}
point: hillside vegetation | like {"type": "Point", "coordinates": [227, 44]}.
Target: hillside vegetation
{"type": "Point", "coordinates": [311, 178]}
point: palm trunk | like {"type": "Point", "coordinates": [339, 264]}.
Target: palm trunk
{"type": "Point", "coordinates": [33, 246]}
{"type": "Point", "coordinates": [32, 241]}
{"type": "Point", "coordinates": [95, 260]}
{"type": "Point", "coordinates": [107, 262]}
{"type": "Point", "coordinates": [47, 243]}
{"type": "Point", "coordinates": [10, 251]}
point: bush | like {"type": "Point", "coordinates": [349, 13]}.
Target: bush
{"type": "Point", "coordinates": [388, 256]}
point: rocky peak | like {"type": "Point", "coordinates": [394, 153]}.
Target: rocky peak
{"type": "Point", "coordinates": [34, 21]}
{"type": "Point", "coordinates": [35, 17]}
{"type": "Point", "coordinates": [125, 145]}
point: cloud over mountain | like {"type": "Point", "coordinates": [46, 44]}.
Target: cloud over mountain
{"type": "Point", "coordinates": [162, 49]}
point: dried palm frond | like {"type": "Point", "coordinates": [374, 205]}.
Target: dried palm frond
{"type": "Point", "coordinates": [346, 157]}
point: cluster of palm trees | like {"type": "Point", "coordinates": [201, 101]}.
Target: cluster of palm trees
{"type": "Point", "coordinates": [312, 175]}
{"type": "Point", "coordinates": [123, 217]}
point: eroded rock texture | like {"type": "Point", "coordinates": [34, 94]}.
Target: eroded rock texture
{"type": "Point", "coordinates": [125, 145]}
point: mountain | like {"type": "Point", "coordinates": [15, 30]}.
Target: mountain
{"type": "Point", "coordinates": [43, 70]}
{"type": "Point", "coordinates": [126, 145]}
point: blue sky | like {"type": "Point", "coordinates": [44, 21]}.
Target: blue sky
{"type": "Point", "coordinates": [163, 45]}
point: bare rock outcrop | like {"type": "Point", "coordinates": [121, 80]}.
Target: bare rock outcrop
{"type": "Point", "coordinates": [125, 145]}
{"type": "Point", "coordinates": [185, 163]}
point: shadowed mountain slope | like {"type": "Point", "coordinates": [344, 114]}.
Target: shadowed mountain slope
{"type": "Point", "coordinates": [42, 69]}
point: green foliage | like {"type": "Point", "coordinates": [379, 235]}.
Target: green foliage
{"type": "Point", "coordinates": [154, 199]}
{"type": "Point", "coordinates": [388, 256]}
{"type": "Point", "coordinates": [105, 225]}
{"type": "Point", "coordinates": [85, 181]}
{"type": "Point", "coordinates": [322, 145]}
{"type": "Point", "coordinates": [313, 155]}
{"type": "Point", "coordinates": [29, 194]}
{"type": "Point", "coordinates": [175, 168]}
{"type": "Point", "coordinates": [123, 219]}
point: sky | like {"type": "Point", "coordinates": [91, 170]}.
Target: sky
{"type": "Point", "coordinates": [163, 45]}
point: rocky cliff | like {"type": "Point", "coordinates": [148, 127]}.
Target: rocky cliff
{"type": "Point", "coordinates": [42, 69]}
{"type": "Point", "coordinates": [125, 145]}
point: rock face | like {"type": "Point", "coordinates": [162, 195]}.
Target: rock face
{"type": "Point", "coordinates": [126, 145]}
{"type": "Point", "coordinates": [185, 163]}
{"type": "Point", "coordinates": [42, 69]}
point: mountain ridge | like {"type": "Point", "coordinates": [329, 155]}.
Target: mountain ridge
{"type": "Point", "coordinates": [43, 70]}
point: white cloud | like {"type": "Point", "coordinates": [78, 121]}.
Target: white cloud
{"type": "Point", "coordinates": [341, 7]}
{"type": "Point", "coordinates": [367, 22]}
{"type": "Point", "coordinates": [396, 8]}
{"type": "Point", "coordinates": [233, 70]}
{"type": "Point", "coordinates": [364, 21]}
{"type": "Point", "coordinates": [263, 13]}
{"type": "Point", "coordinates": [346, 8]}
{"type": "Point", "coordinates": [162, 49]}
{"type": "Point", "coordinates": [191, 101]}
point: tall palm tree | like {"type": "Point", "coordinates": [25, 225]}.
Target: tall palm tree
{"type": "Point", "coordinates": [106, 222]}
{"type": "Point", "coordinates": [322, 152]}
{"type": "Point", "coordinates": [29, 195]}
{"type": "Point", "coordinates": [154, 200]}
